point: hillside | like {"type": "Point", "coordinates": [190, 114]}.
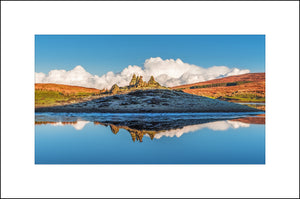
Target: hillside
{"type": "Point", "coordinates": [65, 89]}
{"type": "Point", "coordinates": [239, 88]}
{"type": "Point", "coordinates": [151, 101]}
{"type": "Point", "coordinates": [59, 94]}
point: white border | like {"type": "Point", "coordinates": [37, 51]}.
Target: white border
{"type": "Point", "coordinates": [21, 20]}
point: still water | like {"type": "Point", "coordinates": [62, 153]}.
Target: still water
{"type": "Point", "coordinates": [193, 138]}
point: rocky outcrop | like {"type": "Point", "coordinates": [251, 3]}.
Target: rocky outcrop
{"type": "Point", "coordinates": [133, 80]}
{"type": "Point", "coordinates": [152, 82]}
{"type": "Point", "coordinates": [114, 89]}
{"type": "Point", "coordinates": [136, 83]}
{"type": "Point", "coordinates": [114, 129]}
{"type": "Point", "coordinates": [140, 83]}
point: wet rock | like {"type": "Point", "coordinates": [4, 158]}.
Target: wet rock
{"type": "Point", "coordinates": [155, 101]}
{"type": "Point", "coordinates": [134, 101]}
{"type": "Point", "coordinates": [104, 104]}
{"type": "Point", "coordinates": [116, 97]}
{"type": "Point", "coordinates": [152, 101]}
{"type": "Point", "coordinates": [124, 103]}
{"type": "Point", "coordinates": [137, 93]}
{"type": "Point", "coordinates": [104, 99]}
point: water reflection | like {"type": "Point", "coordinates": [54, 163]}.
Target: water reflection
{"type": "Point", "coordinates": [258, 119]}
{"type": "Point", "coordinates": [154, 126]}
{"type": "Point", "coordinates": [78, 125]}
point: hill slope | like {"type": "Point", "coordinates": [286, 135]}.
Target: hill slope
{"type": "Point", "coordinates": [65, 89]}
{"type": "Point", "coordinates": [59, 94]}
{"type": "Point", "coordinates": [153, 101]}
{"type": "Point", "coordinates": [239, 88]}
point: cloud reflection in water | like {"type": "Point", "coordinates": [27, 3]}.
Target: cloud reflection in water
{"type": "Point", "coordinates": [216, 126]}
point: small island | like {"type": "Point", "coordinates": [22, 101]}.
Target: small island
{"type": "Point", "coordinates": [147, 97]}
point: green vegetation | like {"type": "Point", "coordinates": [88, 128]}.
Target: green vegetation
{"type": "Point", "coordinates": [247, 97]}
{"type": "Point", "coordinates": [179, 89]}
{"type": "Point", "coordinates": [51, 98]}
{"type": "Point", "coordinates": [220, 84]}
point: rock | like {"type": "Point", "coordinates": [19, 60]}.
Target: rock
{"type": "Point", "coordinates": [116, 97]}
{"type": "Point", "coordinates": [140, 82]}
{"type": "Point", "coordinates": [154, 101]}
{"type": "Point", "coordinates": [114, 128]}
{"type": "Point", "coordinates": [152, 82]}
{"type": "Point", "coordinates": [137, 82]}
{"type": "Point", "coordinates": [103, 104]}
{"type": "Point", "coordinates": [114, 89]}
{"type": "Point", "coordinates": [133, 80]}
{"type": "Point", "coordinates": [134, 101]}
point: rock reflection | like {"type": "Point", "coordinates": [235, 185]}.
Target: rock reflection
{"type": "Point", "coordinates": [155, 127]}
{"type": "Point", "coordinates": [137, 135]}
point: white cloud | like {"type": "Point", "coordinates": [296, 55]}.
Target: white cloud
{"type": "Point", "coordinates": [79, 125]}
{"type": "Point", "coordinates": [167, 72]}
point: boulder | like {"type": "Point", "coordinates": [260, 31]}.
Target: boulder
{"type": "Point", "coordinates": [114, 89]}
{"type": "Point", "coordinates": [152, 82]}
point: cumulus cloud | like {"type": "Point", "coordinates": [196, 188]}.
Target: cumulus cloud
{"type": "Point", "coordinates": [167, 72]}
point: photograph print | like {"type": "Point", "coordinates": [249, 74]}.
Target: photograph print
{"type": "Point", "coordinates": [149, 99]}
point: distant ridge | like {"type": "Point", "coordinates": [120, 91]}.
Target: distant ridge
{"type": "Point", "coordinates": [248, 87]}
{"type": "Point", "coordinates": [66, 89]}
{"type": "Point", "coordinates": [245, 77]}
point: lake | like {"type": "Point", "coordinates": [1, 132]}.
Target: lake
{"type": "Point", "coordinates": [151, 138]}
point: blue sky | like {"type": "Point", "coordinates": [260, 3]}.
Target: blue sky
{"type": "Point", "coordinates": [99, 54]}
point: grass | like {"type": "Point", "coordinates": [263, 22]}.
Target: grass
{"type": "Point", "coordinates": [220, 84]}
{"type": "Point", "coordinates": [52, 98]}
{"type": "Point", "coordinates": [246, 98]}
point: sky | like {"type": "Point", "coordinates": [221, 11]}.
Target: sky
{"type": "Point", "coordinates": [101, 60]}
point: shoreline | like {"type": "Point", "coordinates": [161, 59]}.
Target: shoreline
{"type": "Point", "coordinates": [151, 101]}
{"type": "Point", "coordinates": [65, 110]}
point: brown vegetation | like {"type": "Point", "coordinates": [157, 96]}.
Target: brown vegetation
{"type": "Point", "coordinates": [66, 89]}
{"type": "Point", "coordinates": [251, 85]}
{"type": "Point", "coordinates": [259, 119]}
